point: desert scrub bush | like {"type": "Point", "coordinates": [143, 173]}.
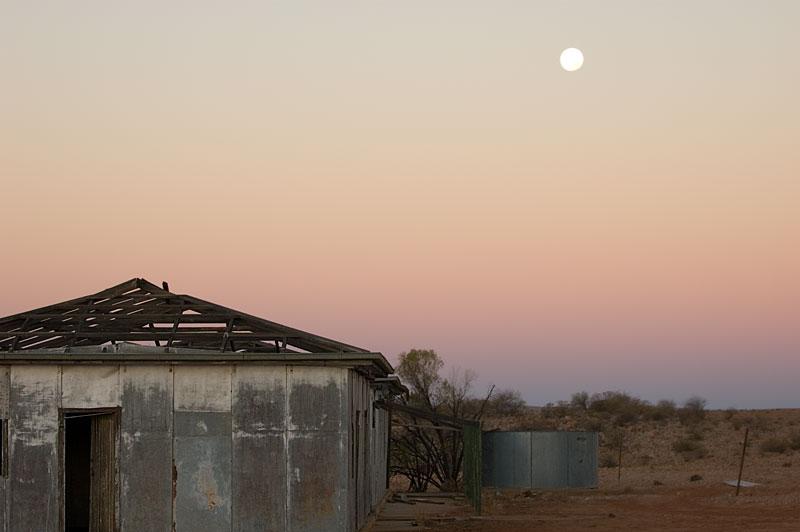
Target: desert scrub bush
{"type": "Point", "coordinates": [594, 423]}
{"type": "Point", "coordinates": [684, 445]}
{"type": "Point", "coordinates": [693, 411]}
{"type": "Point", "coordinates": [696, 433]}
{"type": "Point", "coordinates": [689, 449]}
{"type": "Point", "coordinates": [580, 400]}
{"type": "Point", "coordinates": [774, 445]}
{"type": "Point", "coordinates": [696, 454]}
{"type": "Point", "coordinates": [794, 441]}
{"type": "Point", "coordinates": [622, 408]}
{"type": "Point", "coordinates": [557, 410]}
{"type": "Point", "coordinates": [608, 460]}
{"type": "Point", "coordinates": [757, 423]}
{"type": "Point", "coordinates": [662, 411]}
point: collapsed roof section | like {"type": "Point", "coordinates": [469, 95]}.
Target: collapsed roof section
{"type": "Point", "coordinates": [139, 312]}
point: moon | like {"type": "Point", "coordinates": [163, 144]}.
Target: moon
{"type": "Point", "coordinates": [571, 59]}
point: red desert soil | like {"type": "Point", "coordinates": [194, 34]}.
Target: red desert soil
{"type": "Point", "coordinates": [656, 494]}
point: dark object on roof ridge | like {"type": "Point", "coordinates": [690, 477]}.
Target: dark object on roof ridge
{"type": "Point", "coordinates": [141, 312]}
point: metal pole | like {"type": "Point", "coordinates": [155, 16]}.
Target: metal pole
{"type": "Point", "coordinates": [619, 462]}
{"type": "Point", "coordinates": [741, 465]}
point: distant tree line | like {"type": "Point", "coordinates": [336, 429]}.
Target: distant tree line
{"type": "Point", "coordinates": [621, 409]}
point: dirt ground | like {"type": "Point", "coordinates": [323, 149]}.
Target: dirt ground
{"type": "Point", "coordinates": [656, 492]}
{"type": "Point", "coordinates": [678, 504]}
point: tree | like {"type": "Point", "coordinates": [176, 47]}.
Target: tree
{"type": "Point", "coordinates": [580, 400]}
{"type": "Point", "coordinates": [427, 451]}
{"type": "Point", "coordinates": [506, 403]}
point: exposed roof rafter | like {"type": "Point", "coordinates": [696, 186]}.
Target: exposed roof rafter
{"type": "Point", "coordinates": [140, 312]}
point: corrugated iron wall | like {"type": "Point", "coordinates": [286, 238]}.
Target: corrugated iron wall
{"type": "Point", "coordinates": [203, 448]}
{"type": "Point", "coordinates": [540, 459]}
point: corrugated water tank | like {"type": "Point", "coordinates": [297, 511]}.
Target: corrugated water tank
{"type": "Point", "coordinates": [538, 459]}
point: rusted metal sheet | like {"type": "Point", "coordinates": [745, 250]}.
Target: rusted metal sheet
{"type": "Point", "coordinates": [259, 448]}
{"type": "Point", "coordinates": [317, 449]}
{"type": "Point", "coordinates": [90, 386]}
{"type": "Point", "coordinates": [146, 438]}
{"type": "Point", "coordinates": [202, 498]}
{"type": "Point", "coordinates": [316, 398]}
{"type": "Point", "coordinates": [317, 482]}
{"type": "Point", "coordinates": [34, 399]}
{"type": "Point", "coordinates": [203, 388]}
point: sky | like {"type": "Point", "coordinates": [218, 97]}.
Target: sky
{"type": "Point", "coordinates": [417, 174]}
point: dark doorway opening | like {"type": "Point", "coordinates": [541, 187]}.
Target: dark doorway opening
{"type": "Point", "coordinates": [77, 472]}
{"type": "Point", "coordinates": [89, 471]}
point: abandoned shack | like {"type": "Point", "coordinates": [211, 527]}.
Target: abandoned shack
{"type": "Point", "coordinates": [136, 409]}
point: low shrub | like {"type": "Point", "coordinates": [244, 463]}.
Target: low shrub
{"type": "Point", "coordinates": [693, 411]}
{"type": "Point", "coordinates": [774, 445]}
{"type": "Point", "coordinates": [696, 454]}
{"type": "Point", "coordinates": [689, 449]}
{"type": "Point", "coordinates": [608, 460]}
{"type": "Point", "coordinates": [684, 445]}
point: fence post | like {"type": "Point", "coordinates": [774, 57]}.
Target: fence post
{"type": "Point", "coordinates": [473, 463]}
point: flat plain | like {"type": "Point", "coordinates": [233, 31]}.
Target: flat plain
{"type": "Point", "coordinates": [665, 483]}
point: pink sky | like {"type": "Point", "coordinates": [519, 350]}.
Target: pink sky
{"type": "Point", "coordinates": [403, 175]}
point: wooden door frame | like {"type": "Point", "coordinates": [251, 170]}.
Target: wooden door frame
{"type": "Point", "coordinates": [116, 411]}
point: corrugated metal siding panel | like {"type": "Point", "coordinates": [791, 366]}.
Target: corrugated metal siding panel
{"type": "Point", "coordinates": [203, 466]}
{"type": "Point", "coordinates": [5, 388]}
{"type": "Point", "coordinates": [34, 400]}
{"type": "Point", "coordinates": [259, 448]}
{"type": "Point", "coordinates": [317, 449]}
{"type": "Point", "coordinates": [549, 459]}
{"type": "Point", "coordinates": [507, 459]}
{"type": "Point", "coordinates": [90, 386]}
{"type": "Point", "coordinates": [203, 388]}
{"type": "Point", "coordinates": [582, 459]}
{"type": "Point", "coordinates": [146, 438]}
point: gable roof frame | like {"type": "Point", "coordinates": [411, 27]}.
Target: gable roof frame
{"type": "Point", "coordinates": [137, 311]}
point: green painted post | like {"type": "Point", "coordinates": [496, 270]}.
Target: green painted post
{"type": "Point", "coordinates": [473, 463]}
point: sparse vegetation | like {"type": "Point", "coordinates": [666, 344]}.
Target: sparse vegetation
{"type": "Point", "coordinates": [689, 449]}
{"type": "Point", "coordinates": [423, 451]}
{"type": "Point", "coordinates": [608, 460]}
{"type": "Point", "coordinates": [658, 434]}
{"type": "Point", "coordinates": [774, 445]}
{"type": "Point", "coordinates": [693, 411]}
{"type": "Point", "coordinates": [683, 445]}
{"type": "Point", "coordinates": [505, 403]}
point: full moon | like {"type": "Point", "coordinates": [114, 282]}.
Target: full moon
{"type": "Point", "coordinates": [571, 59]}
